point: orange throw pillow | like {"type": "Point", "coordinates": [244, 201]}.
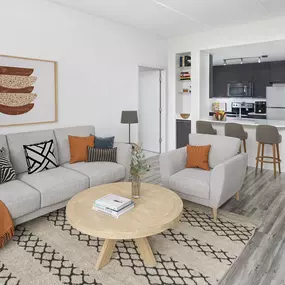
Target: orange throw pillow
{"type": "Point", "coordinates": [78, 147]}
{"type": "Point", "coordinates": [198, 157]}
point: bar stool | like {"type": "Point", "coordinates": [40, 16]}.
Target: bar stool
{"type": "Point", "coordinates": [236, 131]}
{"type": "Point", "coordinates": [203, 127]}
{"type": "Point", "coordinates": [266, 134]}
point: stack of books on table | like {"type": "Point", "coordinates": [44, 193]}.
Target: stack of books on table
{"type": "Point", "coordinates": [113, 205]}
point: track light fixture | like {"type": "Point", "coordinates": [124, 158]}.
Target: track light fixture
{"type": "Point", "coordinates": [241, 59]}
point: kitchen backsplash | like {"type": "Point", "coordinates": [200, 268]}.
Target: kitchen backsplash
{"type": "Point", "coordinates": [230, 100]}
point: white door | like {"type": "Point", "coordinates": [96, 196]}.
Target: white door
{"type": "Point", "coordinates": [149, 110]}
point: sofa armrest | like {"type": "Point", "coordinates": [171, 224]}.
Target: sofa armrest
{"type": "Point", "coordinates": [124, 155]}
{"type": "Point", "coordinates": [170, 163]}
{"type": "Point", "coordinates": [227, 179]}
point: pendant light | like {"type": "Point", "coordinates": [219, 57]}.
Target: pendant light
{"type": "Point", "coordinates": [241, 61]}
{"type": "Point", "coordinates": [259, 60]}
{"type": "Point", "coordinates": [225, 62]}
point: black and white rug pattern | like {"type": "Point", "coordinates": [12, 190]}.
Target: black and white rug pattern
{"type": "Point", "coordinates": [199, 251]}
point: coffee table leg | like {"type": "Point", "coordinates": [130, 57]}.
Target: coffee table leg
{"type": "Point", "coordinates": [106, 253]}
{"type": "Point", "coordinates": [145, 251]}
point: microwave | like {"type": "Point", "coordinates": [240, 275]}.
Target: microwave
{"type": "Point", "coordinates": [240, 89]}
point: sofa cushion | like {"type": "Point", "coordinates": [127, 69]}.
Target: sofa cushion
{"type": "Point", "coordinates": [56, 185]}
{"type": "Point", "coordinates": [16, 142]}
{"type": "Point", "coordinates": [191, 181]}
{"type": "Point", "coordinates": [19, 198]}
{"type": "Point", "coordinates": [99, 172]}
{"type": "Point", "coordinates": [222, 148]}
{"type": "Point", "coordinates": [62, 139]}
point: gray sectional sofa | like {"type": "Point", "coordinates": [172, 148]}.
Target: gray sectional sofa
{"type": "Point", "coordinates": [33, 195]}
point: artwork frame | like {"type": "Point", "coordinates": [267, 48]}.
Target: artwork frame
{"type": "Point", "coordinates": [52, 95]}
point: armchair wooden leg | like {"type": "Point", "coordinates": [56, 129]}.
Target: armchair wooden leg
{"type": "Point", "coordinates": [237, 196]}
{"type": "Point", "coordinates": [215, 214]}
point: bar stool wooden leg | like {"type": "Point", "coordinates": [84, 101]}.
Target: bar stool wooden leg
{"type": "Point", "coordinates": [262, 155]}
{"type": "Point", "coordinates": [244, 146]}
{"type": "Point", "coordinates": [237, 196]}
{"type": "Point", "coordinates": [257, 157]}
{"type": "Point", "coordinates": [278, 157]}
{"type": "Point", "coordinates": [274, 159]}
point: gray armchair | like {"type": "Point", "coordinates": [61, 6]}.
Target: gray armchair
{"type": "Point", "coordinates": [210, 188]}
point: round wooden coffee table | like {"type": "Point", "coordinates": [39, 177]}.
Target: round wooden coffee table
{"type": "Point", "coordinates": [157, 210]}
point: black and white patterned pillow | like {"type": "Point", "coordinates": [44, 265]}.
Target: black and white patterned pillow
{"type": "Point", "coordinates": [40, 156]}
{"type": "Point", "coordinates": [101, 154]}
{"type": "Point", "coordinates": [7, 172]}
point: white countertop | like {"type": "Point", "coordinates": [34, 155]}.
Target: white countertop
{"type": "Point", "coordinates": [248, 122]}
{"type": "Point", "coordinates": [257, 114]}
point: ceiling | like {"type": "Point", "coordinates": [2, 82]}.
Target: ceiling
{"type": "Point", "coordinates": [170, 18]}
{"type": "Point", "coordinates": [274, 49]}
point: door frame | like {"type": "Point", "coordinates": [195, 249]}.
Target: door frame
{"type": "Point", "coordinates": [163, 101]}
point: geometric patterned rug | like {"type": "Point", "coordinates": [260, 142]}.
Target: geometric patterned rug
{"type": "Point", "coordinates": [200, 251]}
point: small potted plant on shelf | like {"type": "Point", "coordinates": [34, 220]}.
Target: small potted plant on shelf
{"type": "Point", "coordinates": [220, 115]}
{"type": "Point", "coordinates": [139, 167]}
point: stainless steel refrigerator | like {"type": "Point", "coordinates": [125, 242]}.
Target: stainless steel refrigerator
{"type": "Point", "coordinates": [275, 102]}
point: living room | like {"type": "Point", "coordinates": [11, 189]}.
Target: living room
{"type": "Point", "coordinates": [186, 221]}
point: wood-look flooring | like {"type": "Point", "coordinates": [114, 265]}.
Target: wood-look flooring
{"type": "Point", "coordinates": [262, 197]}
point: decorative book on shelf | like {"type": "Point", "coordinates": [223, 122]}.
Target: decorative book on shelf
{"type": "Point", "coordinates": [185, 76]}
{"type": "Point", "coordinates": [185, 61]}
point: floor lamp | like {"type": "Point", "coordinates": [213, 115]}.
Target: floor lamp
{"type": "Point", "coordinates": [129, 117]}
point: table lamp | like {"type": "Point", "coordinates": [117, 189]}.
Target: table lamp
{"type": "Point", "coordinates": [129, 117]}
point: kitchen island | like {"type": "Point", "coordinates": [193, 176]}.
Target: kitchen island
{"type": "Point", "coordinates": [249, 126]}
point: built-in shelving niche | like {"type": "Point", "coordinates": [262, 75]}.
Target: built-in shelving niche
{"type": "Point", "coordinates": [183, 83]}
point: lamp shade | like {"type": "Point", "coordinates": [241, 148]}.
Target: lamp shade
{"type": "Point", "coordinates": [129, 117]}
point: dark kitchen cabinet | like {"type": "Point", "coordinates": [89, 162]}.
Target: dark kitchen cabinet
{"type": "Point", "coordinates": [220, 81]}
{"type": "Point", "coordinates": [277, 71]}
{"type": "Point", "coordinates": [261, 79]}
{"type": "Point", "coordinates": [222, 75]}
{"type": "Point", "coordinates": [183, 129]}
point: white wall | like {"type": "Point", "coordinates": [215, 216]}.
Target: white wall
{"type": "Point", "coordinates": [97, 61]}
{"type": "Point", "coordinates": [261, 31]}
{"type": "Point", "coordinates": [204, 83]}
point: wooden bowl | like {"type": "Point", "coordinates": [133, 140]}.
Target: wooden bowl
{"type": "Point", "coordinates": [185, 115]}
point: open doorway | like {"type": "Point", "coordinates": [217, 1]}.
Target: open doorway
{"type": "Point", "coordinates": [151, 110]}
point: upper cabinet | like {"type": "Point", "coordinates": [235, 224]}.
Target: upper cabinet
{"type": "Point", "coordinates": [260, 74]}
{"type": "Point", "coordinates": [261, 79]}
{"type": "Point", "coordinates": [277, 72]}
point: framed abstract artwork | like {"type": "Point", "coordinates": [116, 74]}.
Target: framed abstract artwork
{"type": "Point", "coordinates": [28, 91]}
